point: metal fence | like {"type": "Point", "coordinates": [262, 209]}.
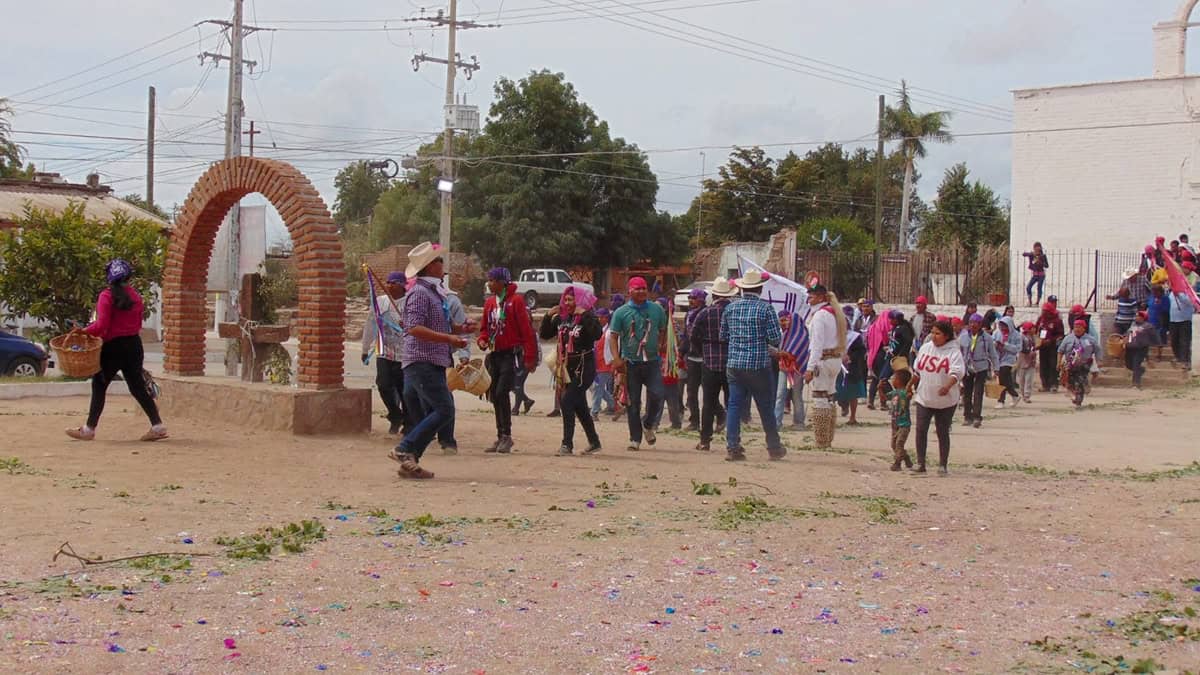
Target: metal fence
{"type": "Point", "coordinates": [952, 276]}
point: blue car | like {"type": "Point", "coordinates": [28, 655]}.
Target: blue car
{"type": "Point", "coordinates": [20, 357]}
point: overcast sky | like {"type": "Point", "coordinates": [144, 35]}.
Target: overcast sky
{"type": "Point", "coordinates": [656, 91]}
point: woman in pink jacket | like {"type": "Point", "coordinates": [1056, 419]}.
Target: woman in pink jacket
{"type": "Point", "coordinates": [119, 323]}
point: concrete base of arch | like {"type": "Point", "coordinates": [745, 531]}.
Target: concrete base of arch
{"type": "Point", "coordinates": [264, 407]}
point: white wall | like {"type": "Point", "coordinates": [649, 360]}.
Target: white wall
{"type": "Point", "coordinates": [1108, 189]}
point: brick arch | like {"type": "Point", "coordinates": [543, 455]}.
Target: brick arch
{"type": "Point", "coordinates": [318, 251]}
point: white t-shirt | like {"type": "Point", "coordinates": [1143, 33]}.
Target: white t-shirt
{"type": "Point", "coordinates": [939, 367]}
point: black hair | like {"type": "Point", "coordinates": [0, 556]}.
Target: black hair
{"type": "Point", "coordinates": [120, 295]}
{"type": "Point", "coordinates": [904, 375]}
{"type": "Point", "coordinates": [944, 328]}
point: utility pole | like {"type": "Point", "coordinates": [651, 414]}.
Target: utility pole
{"type": "Point", "coordinates": [878, 197]}
{"type": "Point", "coordinates": [234, 109]}
{"type": "Point", "coordinates": [700, 199]}
{"type": "Point", "coordinates": [453, 62]}
{"type": "Point", "coordinates": [252, 133]}
{"type": "Point", "coordinates": [150, 151]}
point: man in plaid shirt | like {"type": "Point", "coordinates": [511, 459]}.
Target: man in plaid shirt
{"type": "Point", "coordinates": [751, 327]}
{"type": "Point", "coordinates": [705, 340]}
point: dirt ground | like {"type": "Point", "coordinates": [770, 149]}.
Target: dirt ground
{"type": "Point", "coordinates": [1062, 541]}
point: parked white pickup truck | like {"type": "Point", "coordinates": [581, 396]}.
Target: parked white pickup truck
{"type": "Point", "coordinates": [545, 285]}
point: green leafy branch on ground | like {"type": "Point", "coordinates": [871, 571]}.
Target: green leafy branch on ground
{"type": "Point", "coordinates": [15, 466]}
{"type": "Point", "coordinates": [753, 510]}
{"type": "Point", "coordinates": [291, 538]}
{"type": "Point", "coordinates": [881, 508]}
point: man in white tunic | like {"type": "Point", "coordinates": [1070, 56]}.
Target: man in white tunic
{"type": "Point", "coordinates": [826, 342]}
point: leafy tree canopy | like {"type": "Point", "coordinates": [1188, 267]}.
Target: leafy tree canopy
{"type": "Point", "coordinates": [358, 190]}
{"type": "Point", "coordinates": [140, 202]}
{"type": "Point", "coordinates": [52, 265]}
{"type": "Point", "coordinates": [10, 152]}
{"type": "Point", "coordinates": [967, 213]}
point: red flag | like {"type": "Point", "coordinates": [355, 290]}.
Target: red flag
{"type": "Point", "coordinates": [1177, 278]}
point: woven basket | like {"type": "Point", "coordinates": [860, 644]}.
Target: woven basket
{"type": "Point", "coordinates": [475, 377]}
{"type": "Point", "coordinates": [454, 380]}
{"type": "Point", "coordinates": [993, 389]}
{"type": "Point", "coordinates": [78, 354]}
{"type": "Point", "coordinates": [1115, 346]}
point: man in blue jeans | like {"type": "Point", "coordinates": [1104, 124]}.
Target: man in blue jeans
{"type": "Point", "coordinates": [751, 328]}
{"type": "Point", "coordinates": [428, 342]}
{"type": "Point", "coordinates": [635, 333]}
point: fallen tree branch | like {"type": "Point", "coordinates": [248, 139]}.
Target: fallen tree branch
{"type": "Point", "coordinates": [67, 550]}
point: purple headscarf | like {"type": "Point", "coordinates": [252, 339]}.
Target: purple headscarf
{"type": "Point", "coordinates": [617, 302]}
{"type": "Point", "coordinates": [500, 274]}
{"type": "Point", "coordinates": [397, 278]}
{"type": "Point", "coordinates": [117, 270]}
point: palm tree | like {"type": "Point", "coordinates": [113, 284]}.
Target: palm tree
{"type": "Point", "coordinates": [900, 123]}
{"type": "Point", "coordinates": [10, 153]}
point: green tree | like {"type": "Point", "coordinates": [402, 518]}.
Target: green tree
{"type": "Point", "coordinates": [912, 130]}
{"type": "Point", "coordinates": [52, 264]}
{"type": "Point", "coordinates": [816, 234]}
{"type": "Point", "coordinates": [966, 213]}
{"type": "Point", "coordinates": [406, 214]}
{"type": "Point", "coordinates": [140, 202]}
{"type": "Point", "coordinates": [555, 188]}
{"type": "Point", "coordinates": [743, 204]}
{"type": "Point", "coordinates": [358, 190]}
{"type": "Point", "coordinates": [10, 152]}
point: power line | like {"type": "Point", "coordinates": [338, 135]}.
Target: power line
{"type": "Point", "coordinates": [101, 64]}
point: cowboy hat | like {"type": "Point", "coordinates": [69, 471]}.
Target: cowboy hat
{"type": "Point", "coordinates": [900, 363]}
{"type": "Point", "coordinates": [753, 279]}
{"type": "Point", "coordinates": [420, 257]}
{"type": "Point", "coordinates": [1131, 272]}
{"type": "Point", "coordinates": [722, 288]}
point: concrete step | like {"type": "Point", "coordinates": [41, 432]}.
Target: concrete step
{"type": "Point", "coordinates": [1153, 379]}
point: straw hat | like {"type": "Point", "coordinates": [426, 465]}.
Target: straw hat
{"type": "Point", "coordinates": [420, 257]}
{"type": "Point", "coordinates": [722, 288]}
{"type": "Point", "coordinates": [753, 279]}
{"type": "Point", "coordinates": [1131, 272]}
{"type": "Point", "coordinates": [900, 363]}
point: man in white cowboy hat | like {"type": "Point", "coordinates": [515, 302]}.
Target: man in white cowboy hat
{"type": "Point", "coordinates": [751, 327]}
{"type": "Point", "coordinates": [1137, 284]}
{"type": "Point", "coordinates": [826, 342]}
{"type": "Point", "coordinates": [428, 342]}
{"type": "Point", "coordinates": [705, 339]}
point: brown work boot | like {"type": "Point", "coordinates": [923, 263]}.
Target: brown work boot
{"type": "Point", "coordinates": [737, 454]}
{"type": "Point", "coordinates": [896, 465]}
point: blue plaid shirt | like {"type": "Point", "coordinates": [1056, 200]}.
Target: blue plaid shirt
{"type": "Point", "coordinates": [751, 327]}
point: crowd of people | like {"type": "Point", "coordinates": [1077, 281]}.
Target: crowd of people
{"type": "Point", "coordinates": [731, 352]}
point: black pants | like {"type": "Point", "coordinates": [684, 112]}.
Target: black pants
{"type": "Point", "coordinates": [695, 376]}
{"type": "Point", "coordinates": [502, 367]}
{"type": "Point", "coordinates": [1181, 342]}
{"type": "Point", "coordinates": [1048, 366]}
{"type": "Point", "coordinates": [1006, 381]}
{"type": "Point", "coordinates": [574, 405]}
{"type": "Point", "coordinates": [876, 372]}
{"type": "Point", "coordinates": [941, 418]}
{"type": "Point", "coordinates": [518, 387]}
{"type": "Point", "coordinates": [713, 383]}
{"type": "Point", "coordinates": [1135, 360]}
{"type": "Point", "coordinates": [122, 354]}
{"type": "Point", "coordinates": [972, 395]}
{"type": "Point", "coordinates": [389, 379]}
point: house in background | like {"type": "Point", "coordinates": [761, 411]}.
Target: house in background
{"type": "Point", "coordinates": [49, 192]}
{"type": "Point", "coordinates": [1109, 165]}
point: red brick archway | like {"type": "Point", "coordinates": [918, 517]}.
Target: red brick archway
{"type": "Point", "coordinates": [318, 251]}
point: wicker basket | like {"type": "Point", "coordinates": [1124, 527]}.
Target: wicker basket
{"type": "Point", "coordinates": [454, 379]}
{"type": "Point", "coordinates": [78, 354]}
{"type": "Point", "coordinates": [993, 389]}
{"type": "Point", "coordinates": [475, 377]}
{"type": "Point", "coordinates": [1115, 346]}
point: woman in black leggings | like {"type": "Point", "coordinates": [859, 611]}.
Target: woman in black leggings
{"type": "Point", "coordinates": [575, 329]}
{"type": "Point", "coordinates": [119, 323]}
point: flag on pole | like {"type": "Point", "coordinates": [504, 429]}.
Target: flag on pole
{"type": "Point", "coordinates": [1177, 279]}
{"type": "Point", "coordinates": [671, 367]}
{"type": "Point", "coordinates": [376, 316]}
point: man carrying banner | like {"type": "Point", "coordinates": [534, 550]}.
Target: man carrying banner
{"type": "Point", "coordinates": [383, 335]}
{"type": "Point", "coordinates": [826, 342]}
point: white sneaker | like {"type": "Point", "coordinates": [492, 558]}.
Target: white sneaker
{"type": "Point", "coordinates": [634, 446]}
{"type": "Point", "coordinates": [1012, 402]}
{"type": "Point", "coordinates": [999, 406]}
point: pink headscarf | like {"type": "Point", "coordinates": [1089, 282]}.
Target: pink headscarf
{"type": "Point", "coordinates": [584, 299]}
{"type": "Point", "coordinates": [877, 338]}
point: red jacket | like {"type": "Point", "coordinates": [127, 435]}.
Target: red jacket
{"type": "Point", "coordinates": [518, 327]}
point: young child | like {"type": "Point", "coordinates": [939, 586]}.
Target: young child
{"type": "Point", "coordinates": [899, 398]}
{"type": "Point", "coordinates": [1027, 362]}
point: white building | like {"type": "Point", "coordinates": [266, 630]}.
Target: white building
{"type": "Point", "coordinates": [1108, 165]}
